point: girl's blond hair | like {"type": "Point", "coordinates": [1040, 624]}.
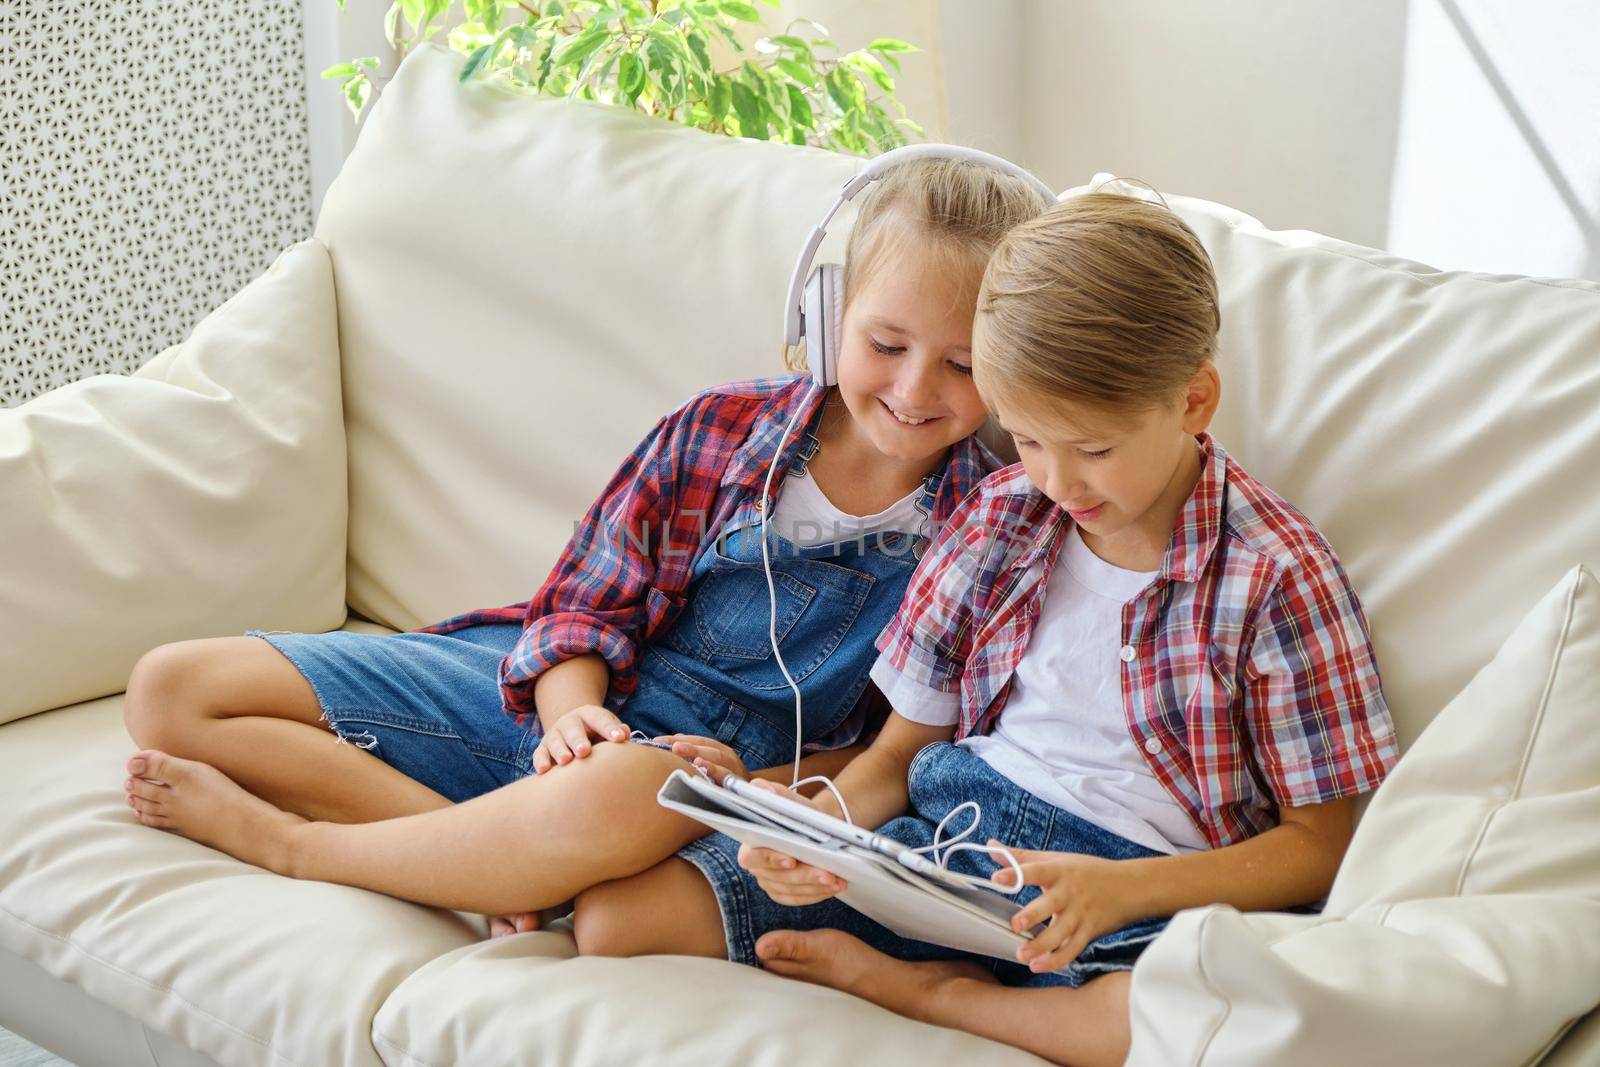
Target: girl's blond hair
{"type": "Point", "coordinates": [1104, 300]}
{"type": "Point", "coordinates": [961, 209]}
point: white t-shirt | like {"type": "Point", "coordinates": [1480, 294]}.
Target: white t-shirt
{"type": "Point", "coordinates": [806, 517]}
{"type": "Point", "coordinates": [1063, 735]}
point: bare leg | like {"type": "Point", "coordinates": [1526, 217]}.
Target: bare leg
{"type": "Point", "coordinates": [1084, 1027]}
{"type": "Point", "coordinates": [238, 704]}
{"type": "Point", "coordinates": [666, 910]}
{"type": "Point", "coordinates": [532, 844]}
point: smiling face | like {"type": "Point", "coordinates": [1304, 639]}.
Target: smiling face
{"type": "Point", "coordinates": [905, 359]}
{"type": "Point", "coordinates": [1124, 478]}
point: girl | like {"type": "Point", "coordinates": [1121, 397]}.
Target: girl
{"type": "Point", "coordinates": [1158, 680]}
{"type": "Point", "coordinates": [503, 727]}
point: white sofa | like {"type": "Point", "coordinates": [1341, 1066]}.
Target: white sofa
{"type": "Point", "coordinates": [405, 414]}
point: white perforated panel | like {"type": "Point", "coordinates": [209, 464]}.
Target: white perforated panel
{"type": "Point", "coordinates": [153, 159]}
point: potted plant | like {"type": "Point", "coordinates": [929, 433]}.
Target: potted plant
{"type": "Point", "coordinates": [684, 60]}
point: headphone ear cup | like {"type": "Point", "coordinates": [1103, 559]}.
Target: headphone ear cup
{"type": "Point", "coordinates": [824, 322]}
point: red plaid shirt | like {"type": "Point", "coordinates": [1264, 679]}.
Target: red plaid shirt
{"type": "Point", "coordinates": [1248, 676]}
{"type": "Point", "coordinates": [626, 572]}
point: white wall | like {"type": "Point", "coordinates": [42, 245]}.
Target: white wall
{"type": "Point", "coordinates": [1464, 133]}
{"type": "Point", "coordinates": [335, 36]}
{"type": "Point", "coordinates": [1497, 162]}
{"type": "Point", "coordinates": [1285, 110]}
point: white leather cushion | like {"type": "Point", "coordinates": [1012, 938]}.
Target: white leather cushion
{"type": "Point", "coordinates": [473, 1005]}
{"type": "Point", "coordinates": [525, 286]}
{"type": "Point", "coordinates": [201, 496]}
{"type": "Point", "coordinates": [1440, 427]}
{"type": "Point", "coordinates": [1470, 893]}
{"type": "Point", "coordinates": [245, 966]}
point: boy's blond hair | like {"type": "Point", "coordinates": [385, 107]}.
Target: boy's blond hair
{"type": "Point", "coordinates": [1104, 300]}
{"type": "Point", "coordinates": [961, 209]}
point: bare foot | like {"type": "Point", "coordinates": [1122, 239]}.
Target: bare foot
{"type": "Point", "coordinates": [523, 922]}
{"type": "Point", "coordinates": [834, 958]}
{"type": "Point", "coordinates": [520, 923]}
{"type": "Point", "coordinates": [203, 804]}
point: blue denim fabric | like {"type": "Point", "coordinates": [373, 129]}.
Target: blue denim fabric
{"type": "Point", "coordinates": [713, 673]}
{"type": "Point", "coordinates": [426, 704]}
{"type": "Point", "coordinates": [942, 777]}
{"type": "Point", "coordinates": [429, 704]}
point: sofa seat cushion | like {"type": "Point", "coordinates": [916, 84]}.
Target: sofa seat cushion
{"type": "Point", "coordinates": [506, 999]}
{"type": "Point", "coordinates": [243, 965]}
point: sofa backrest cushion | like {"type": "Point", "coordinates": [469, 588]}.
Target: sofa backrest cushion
{"type": "Point", "coordinates": [201, 496]}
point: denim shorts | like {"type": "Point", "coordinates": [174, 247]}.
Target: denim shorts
{"type": "Point", "coordinates": [426, 704]}
{"type": "Point", "coordinates": [941, 777]}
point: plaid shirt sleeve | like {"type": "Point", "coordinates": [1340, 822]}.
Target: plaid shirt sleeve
{"type": "Point", "coordinates": [924, 650]}
{"type": "Point", "coordinates": [600, 596]}
{"type": "Point", "coordinates": [1312, 698]}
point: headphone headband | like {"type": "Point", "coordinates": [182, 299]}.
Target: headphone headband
{"type": "Point", "coordinates": [794, 309]}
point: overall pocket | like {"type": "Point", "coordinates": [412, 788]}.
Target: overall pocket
{"type": "Point", "coordinates": [728, 617]}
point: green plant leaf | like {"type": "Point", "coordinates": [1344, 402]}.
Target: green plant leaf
{"type": "Point", "coordinates": [800, 114]}
{"type": "Point", "coordinates": [341, 70]}
{"type": "Point", "coordinates": [845, 90]}
{"type": "Point", "coordinates": [868, 65]}
{"type": "Point", "coordinates": [355, 94]}
{"type": "Point", "coordinates": [476, 60]}
{"type": "Point", "coordinates": [739, 9]}
{"type": "Point", "coordinates": [890, 44]}
{"type": "Point", "coordinates": [720, 98]}
{"type": "Point", "coordinates": [664, 62]}
{"type": "Point", "coordinates": [798, 71]}
{"type": "Point", "coordinates": [701, 51]}
{"type": "Point", "coordinates": [630, 76]}
{"type": "Point", "coordinates": [752, 123]}
{"type": "Point", "coordinates": [577, 49]}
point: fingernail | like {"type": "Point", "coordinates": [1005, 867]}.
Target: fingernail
{"type": "Point", "coordinates": [138, 766]}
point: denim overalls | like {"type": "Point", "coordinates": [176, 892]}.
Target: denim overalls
{"type": "Point", "coordinates": [713, 672]}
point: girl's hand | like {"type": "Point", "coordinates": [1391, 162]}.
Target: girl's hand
{"type": "Point", "coordinates": [568, 737]}
{"type": "Point", "coordinates": [784, 878]}
{"type": "Point", "coordinates": [1082, 896]}
{"type": "Point", "coordinates": [716, 758]}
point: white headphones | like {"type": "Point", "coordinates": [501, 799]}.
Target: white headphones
{"type": "Point", "coordinates": [815, 308]}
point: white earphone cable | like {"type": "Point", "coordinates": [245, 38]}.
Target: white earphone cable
{"type": "Point", "coordinates": [765, 506]}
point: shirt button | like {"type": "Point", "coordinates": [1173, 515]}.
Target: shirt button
{"type": "Point", "coordinates": [1127, 653]}
{"type": "Point", "coordinates": [1152, 746]}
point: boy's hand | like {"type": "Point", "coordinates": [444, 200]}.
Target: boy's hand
{"type": "Point", "coordinates": [784, 878]}
{"type": "Point", "coordinates": [568, 737]}
{"type": "Point", "coordinates": [1082, 896]}
{"type": "Point", "coordinates": [717, 759]}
